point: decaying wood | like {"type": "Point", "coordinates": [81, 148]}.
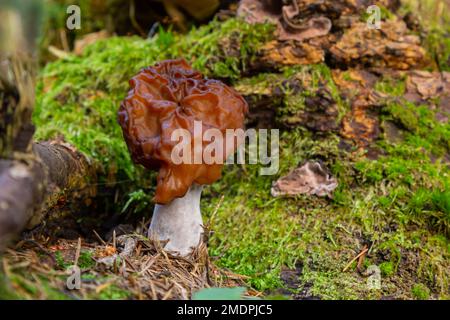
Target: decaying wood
{"type": "Point", "coordinates": [32, 176]}
{"type": "Point", "coordinates": [21, 186]}
{"type": "Point", "coordinates": [276, 53]}
{"type": "Point", "coordinates": [307, 31]}
{"type": "Point", "coordinates": [34, 183]}
{"type": "Point", "coordinates": [349, 44]}
{"type": "Point", "coordinates": [361, 123]}
{"type": "Point", "coordinates": [389, 47]}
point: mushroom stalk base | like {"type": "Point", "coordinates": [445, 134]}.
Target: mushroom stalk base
{"type": "Point", "coordinates": [180, 222]}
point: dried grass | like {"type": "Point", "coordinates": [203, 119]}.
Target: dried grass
{"type": "Point", "coordinates": [38, 270]}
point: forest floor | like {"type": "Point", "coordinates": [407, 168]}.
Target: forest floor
{"type": "Point", "coordinates": [372, 107]}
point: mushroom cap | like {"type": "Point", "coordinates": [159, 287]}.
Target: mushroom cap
{"type": "Point", "coordinates": [168, 96]}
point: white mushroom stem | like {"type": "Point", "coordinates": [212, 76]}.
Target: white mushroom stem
{"type": "Point", "coordinates": [180, 222]}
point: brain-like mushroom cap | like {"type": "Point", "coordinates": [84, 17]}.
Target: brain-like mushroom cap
{"type": "Point", "coordinates": [168, 96]}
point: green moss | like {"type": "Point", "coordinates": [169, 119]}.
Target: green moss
{"type": "Point", "coordinates": [113, 292]}
{"type": "Point", "coordinates": [256, 234]}
{"type": "Point", "coordinates": [441, 200]}
{"type": "Point", "coordinates": [6, 290]}
{"type": "Point", "coordinates": [420, 292]}
{"type": "Point", "coordinates": [312, 77]}
{"type": "Point", "coordinates": [435, 29]}
{"type": "Point", "coordinates": [51, 293]}
{"type": "Point", "coordinates": [405, 114]}
{"type": "Point", "coordinates": [37, 286]}
{"type": "Point", "coordinates": [387, 268]}
{"type": "Point", "coordinates": [391, 86]}
{"type": "Point", "coordinates": [137, 201]}
{"type": "Point", "coordinates": [62, 264]}
{"type": "Point", "coordinates": [438, 44]}
{"type": "Point", "coordinates": [223, 49]}
{"type": "Point", "coordinates": [425, 132]}
{"type": "Point", "coordinates": [85, 260]}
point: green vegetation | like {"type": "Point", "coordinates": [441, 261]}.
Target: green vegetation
{"type": "Point", "coordinates": [387, 268]}
{"type": "Point", "coordinates": [60, 261]}
{"type": "Point", "coordinates": [420, 292]}
{"type": "Point", "coordinates": [113, 292]}
{"type": "Point", "coordinates": [256, 235]}
{"type": "Point", "coordinates": [85, 260]}
{"type": "Point", "coordinates": [405, 114]}
{"type": "Point", "coordinates": [393, 87]}
{"type": "Point", "coordinates": [385, 13]}
{"type": "Point", "coordinates": [6, 292]}
{"type": "Point", "coordinates": [21, 285]}
{"type": "Point", "coordinates": [294, 85]}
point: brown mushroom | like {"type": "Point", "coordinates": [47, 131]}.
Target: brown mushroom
{"type": "Point", "coordinates": [163, 98]}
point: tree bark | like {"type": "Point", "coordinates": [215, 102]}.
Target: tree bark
{"type": "Point", "coordinates": [33, 184]}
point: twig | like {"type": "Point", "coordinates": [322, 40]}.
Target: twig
{"type": "Point", "coordinates": [64, 42]}
{"type": "Point", "coordinates": [77, 254]}
{"type": "Point", "coordinates": [61, 54]}
{"type": "Point", "coordinates": [132, 15]}
{"type": "Point", "coordinates": [355, 258]}
{"type": "Point", "coordinates": [99, 238]}
{"type": "Point", "coordinates": [361, 260]}
{"type": "Point", "coordinates": [216, 209]}
{"type": "Point", "coordinates": [37, 244]}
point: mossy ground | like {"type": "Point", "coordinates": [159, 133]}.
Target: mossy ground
{"type": "Point", "coordinates": [398, 205]}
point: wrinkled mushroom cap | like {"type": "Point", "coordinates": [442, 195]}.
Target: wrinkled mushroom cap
{"type": "Point", "coordinates": [168, 96]}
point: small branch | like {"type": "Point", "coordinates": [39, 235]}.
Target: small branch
{"type": "Point", "coordinates": [363, 252]}
{"type": "Point", "coordinates": [60, 54]}
{"type": "Point", "coordinates": [77, 253]}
